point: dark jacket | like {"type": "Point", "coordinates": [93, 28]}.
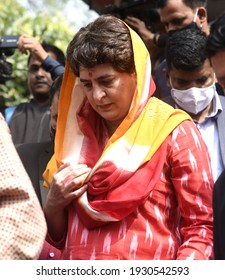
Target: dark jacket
{"type": "Point", "coordinates": [219, 217]}
{"type": "Point", "coordinates": [30, 123]}
{"type": "Point", "coordinates": [35, 157]}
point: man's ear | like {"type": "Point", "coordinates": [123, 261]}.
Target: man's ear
{"type": "Point", "coordinates": [167, 75]}
{"type": "Point", "coordinates": [202, 18]}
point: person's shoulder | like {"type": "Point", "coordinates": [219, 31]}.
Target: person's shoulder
{"type": "Point", "coordinates": [222, 98]}
{"type": "Point", "coordinates": [11, 110]}
{"type": "Point", "coordinates": [22, 105]}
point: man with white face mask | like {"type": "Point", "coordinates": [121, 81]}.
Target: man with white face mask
{"type": "Point", "coordinates": [192, 80]}
{"type": "Point", "coordinates": [177, 14]}
{"type": "Point", "coordinates": [174, 15]}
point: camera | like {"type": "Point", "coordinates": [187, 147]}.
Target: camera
{"type": "Point", "coordinates": [8, 44]}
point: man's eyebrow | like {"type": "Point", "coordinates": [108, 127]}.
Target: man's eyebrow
{"type": "Point", "coordinates": [182, 80]}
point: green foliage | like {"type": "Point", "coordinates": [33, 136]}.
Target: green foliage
{"type": "Point", "coordinates": [44, 24]}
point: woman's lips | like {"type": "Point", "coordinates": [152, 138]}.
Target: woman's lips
{"type": "Point", "coordinates": [105, 107]}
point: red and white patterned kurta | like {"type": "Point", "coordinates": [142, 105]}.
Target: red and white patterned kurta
{"type": "Point", "coordinates": [174, 223]}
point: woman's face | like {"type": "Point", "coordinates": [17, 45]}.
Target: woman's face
{"type": "Point", "coordinates": [109, 92]}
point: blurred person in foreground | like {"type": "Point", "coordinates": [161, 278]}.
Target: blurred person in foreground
{"type": "Point", "coordinates": [29, 122]}
{"type": "Point", "coordinates": [192, 80]}
{"type": "Point", "coordinates": [22, 223]}
{"type": "Point", "coordinates": [216, 52]}
{"type": "Point", "coordinates": [131, 176]}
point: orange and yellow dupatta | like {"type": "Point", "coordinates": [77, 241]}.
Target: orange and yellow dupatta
{"type": "Point", "coordinates": [127, 169]}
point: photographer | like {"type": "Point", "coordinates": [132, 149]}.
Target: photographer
{"type": "Point", "coordinates": [29, 122]}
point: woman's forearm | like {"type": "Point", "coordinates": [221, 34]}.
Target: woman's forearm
{"type": "Point", "coordinates": [56, 223]}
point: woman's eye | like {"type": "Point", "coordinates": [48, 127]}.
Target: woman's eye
{"type": "Point", "coordinates": [87, 85]}
{"type": "Point", "coordinates": [107, 82]}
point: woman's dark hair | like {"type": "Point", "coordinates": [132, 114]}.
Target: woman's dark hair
{"type": "Point", "coordinates": [104, 41]}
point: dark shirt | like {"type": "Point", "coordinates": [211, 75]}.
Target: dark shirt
{"type": "Point", "coordinates": [35, 157]}
{"type": "Point", "coordinates": [30, 123]}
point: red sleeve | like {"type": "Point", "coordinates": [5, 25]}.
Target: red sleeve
{"type": "Point", "coordinates": [193, 182]}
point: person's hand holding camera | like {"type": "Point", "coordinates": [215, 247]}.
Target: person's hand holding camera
{"type": "Point", "coordinates": [28, 43]}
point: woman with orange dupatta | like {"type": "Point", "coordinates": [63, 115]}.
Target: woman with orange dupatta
{"type": "Point", "coordinates": [130, 177]}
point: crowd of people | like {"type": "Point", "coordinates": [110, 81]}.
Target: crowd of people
{"type": "Point", "coordinates": [118, 157]}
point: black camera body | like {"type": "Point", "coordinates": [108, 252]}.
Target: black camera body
{"type": "Point", "coordinates": [8, 44]}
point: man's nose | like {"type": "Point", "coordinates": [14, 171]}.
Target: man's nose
{"type": "Point", "coordinates": [40, 72]}
{"type": "Point", "coordinates": [171, 27]}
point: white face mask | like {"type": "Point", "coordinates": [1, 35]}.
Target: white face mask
{"type": "Point", "coordinates": [193, 100]}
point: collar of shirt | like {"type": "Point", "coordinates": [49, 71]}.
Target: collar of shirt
{"type": "Point", "coordinates": [216, 110]}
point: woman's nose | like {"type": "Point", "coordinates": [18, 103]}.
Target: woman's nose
{"type": "Point", "coordinates": [98, 93]}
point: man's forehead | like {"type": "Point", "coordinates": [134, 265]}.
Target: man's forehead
{"type": "Point", "coordinates": [52, 54]}
{"type": "Point", "coordinates": [175, 8]}
{"type": "Point", "coordinates": [34, 61]}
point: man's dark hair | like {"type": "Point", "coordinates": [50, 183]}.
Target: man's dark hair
{"type": "Point", "coordinates": [186, 48]}
{"type": "Point", "coordinates": [216, 38]}
{"type": "Point", "coordinates": [60, 57]}
{"type": "Point", "coordinates": [105, 40]}
{"type": "Point", "coordinates": [190, 3]}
